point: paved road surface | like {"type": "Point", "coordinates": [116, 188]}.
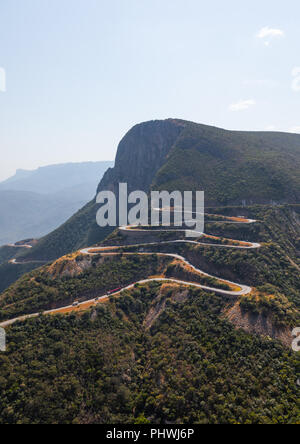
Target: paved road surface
{"type": "Point", "coordinates": [241, 290]}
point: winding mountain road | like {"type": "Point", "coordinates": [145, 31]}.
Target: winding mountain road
{"type": "Point", "coordinates": [239, 289]}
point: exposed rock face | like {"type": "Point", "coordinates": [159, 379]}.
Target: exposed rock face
{"type": "Point", "coordinates": [231, 167]}
{"type": "Point", "coordinates": [141, 153]}
{"type": "Point", "coordinates": [259, 325]}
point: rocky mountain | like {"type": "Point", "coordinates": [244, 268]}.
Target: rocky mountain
{"type": "Point", "coordinates": [194, 331]}
{"type": "Point", "coordinates": [141, 154]}
{"type": "Point", "coordinates": [231, 167]}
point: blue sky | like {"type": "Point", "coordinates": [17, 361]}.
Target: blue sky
{"type": "Point", "coordinates": [80, 73]}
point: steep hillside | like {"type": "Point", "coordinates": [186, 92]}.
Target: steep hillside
{"type": "Point", "coordinates": [159, 355]}
{"type": "Point", "coordinates": [79, 231]}
{"type": "Point", "coordinates": [26, 214]}
{"type": "Point", "coordinates": [263, 277]}
{"type": "Point", "coordinates": [162, 350]}
{"type": "Point", "coordinates": [140, 155]}
{"type": "Point", "coordinates": [8, 252]}
{"type": "Point", "coordinates": [231, 167]}
{"type": "Point", "coordinates": [10, 273]}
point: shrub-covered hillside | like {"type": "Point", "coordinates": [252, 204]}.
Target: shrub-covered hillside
{"type": "Point", "coordinates": [155, 355]}
{"type": "Point", "coordinates": [232, 167]}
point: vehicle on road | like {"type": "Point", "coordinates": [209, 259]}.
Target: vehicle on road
{"type": "Point", "coordinates": [75, 304]}
{"type": "Point", "coordinates": [114, 291]}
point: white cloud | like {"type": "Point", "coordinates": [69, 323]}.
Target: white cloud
{"type": "Point", "coordinates": [242, 105]}
{"type": "Point", "coordinates": [270, 32]}
{"type": "Point", "coordinates": [296, 80]}
{"type": "Point", "coordinates": [267, 34]}
{"type": "Point", "coordinates": [271, 128]}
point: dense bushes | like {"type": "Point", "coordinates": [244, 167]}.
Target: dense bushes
{"type": "Point", "coordinates": [39, 290]}
{"type": "Point", "coordinates": [105, 367]}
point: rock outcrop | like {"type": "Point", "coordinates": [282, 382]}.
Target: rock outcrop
{"type": "Point", "coordinates": [141, 153]}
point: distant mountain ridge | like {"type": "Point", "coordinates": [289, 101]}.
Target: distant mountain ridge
{"type": "Point", "coordinates": [36, 202]}
{"type": "Point", "coordinates": [55, 178]}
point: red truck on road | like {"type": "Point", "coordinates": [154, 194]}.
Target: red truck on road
{"type": "Point", "coordinates": [114, 291]}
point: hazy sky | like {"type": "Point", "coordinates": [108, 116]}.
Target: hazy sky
{"type": "Point", "coordinates": [80, 73]}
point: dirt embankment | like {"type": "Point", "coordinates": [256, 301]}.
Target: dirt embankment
{"type": "Point", "coordinates": [159, 304]}
{"type": "Point", "coordinates": [245, 273]}
{"type": "Point", "coordinates": [72, 265]}
{"type": "Point", "coordinates": [258, 324]}
{"type": "Point", "coordinates": [184, 272]}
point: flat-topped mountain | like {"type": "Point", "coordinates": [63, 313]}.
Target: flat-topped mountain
{"type": "Point", "coordinates": [61, 178]}
{"type": "Point", "coordinates": [233, 168]}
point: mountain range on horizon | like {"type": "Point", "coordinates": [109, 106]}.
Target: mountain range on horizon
{"type": "Point", "coordinates": [57, 178]}
{"type": "Point", "coordinates": [35, 202]}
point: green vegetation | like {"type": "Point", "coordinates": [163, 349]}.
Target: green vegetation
{"type": "Point", "coordinates": [107, 367]}
{"type": "Point", "coordinates": [252, 267]}
{"type": "Point", "coordinates": [266, 300]}
{"type": "Point", "coordinates": [10, 273]}
{"type": "Point", "coordinates": [161, 353]}
{"type": "Point", "coordinates": [274, 264]}
{"type": "Point", "coordinates": [42, 289]}
{"type": "Point", "coordinates": [233, 166]}
{"type": "Point", "coordinates": [229, 166]}
{"type": "Point", "coordinates": [7, 253]}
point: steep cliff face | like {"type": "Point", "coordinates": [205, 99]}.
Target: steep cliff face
{"type": "Point", "coordinates": [141, 153]}
{"type": "Point", "coordinates": [231, 167]}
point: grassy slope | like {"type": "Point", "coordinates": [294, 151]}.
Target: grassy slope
{"type": "Point", "coordinates": [79, 231]}
{"type": "Point", "coordinates": [233, 166]}
{"type": "Point", "coordinates": [191, 366]}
